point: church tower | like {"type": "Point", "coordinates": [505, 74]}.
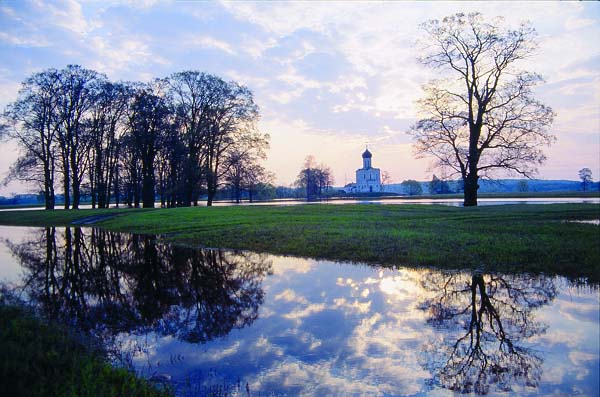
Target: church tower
{"type": "Point", "coordinates": [368, 179]}
{"type": "Point", "coordinates": [367, 159]}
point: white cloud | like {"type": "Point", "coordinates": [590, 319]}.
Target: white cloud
{"type": "Point", "coordinates": [23, 41]}
{"type": "Point", "coordinates": [374, 77]}
{"type": "Point", "coordinates": [66, 14]}
{"type": "Point", "coordinates": [114, 55]}
{"type": "Point", "coordinates": [209, 42]}
{"type": "Point", "coordinates": [575, 23]}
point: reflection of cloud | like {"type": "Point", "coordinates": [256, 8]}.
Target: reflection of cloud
{"type": "Point", "coordinates": [263, 346]}
{"type": "Point", "coordinates": [306, 311]}
{"type": "Point", "coordinates": [581, 361]}
{"type": "Point", "coordinates": [343, 343]}
{"type": "Point", "coordinates": [290, 296]}
{"type": "Point", "coordinates": [221, 352]}
{"type": "Point", "coordinates": [398, 287]}
{"type": "Point", "coordinates": [287, 265]}
{"type": "Point", "coordinates": [352, 307]}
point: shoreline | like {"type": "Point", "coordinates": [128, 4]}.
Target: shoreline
{"type": "Point", "coordinates": [522, 238]}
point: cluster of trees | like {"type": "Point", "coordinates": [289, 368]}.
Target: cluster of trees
{"type": "Point", "coordinates": [315, 179]}
{"type": "Point", "coordinates": [435, 186]}
{"type": "Point", "coordinates": [178, 137]}
{"type": "Point", "coordinates": [412, 187]}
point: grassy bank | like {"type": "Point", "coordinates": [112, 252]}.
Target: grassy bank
{"type": "Point", "coordinates": [45, 359]}
{"type": "Point", "coordinates": [533, 238]}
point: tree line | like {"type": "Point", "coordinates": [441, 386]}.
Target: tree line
{"type": "Point", "coordinates": [176, 138]}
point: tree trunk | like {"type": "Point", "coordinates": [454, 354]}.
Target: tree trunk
{"type": "Point", "coordinates": [472, 179]}
{"type": "Point", "coordinates": [48, 189]}
{"type": "Point", "coordinates": [66, 184]}
{"type": "Point", "coordinates": [148, 186]}
{"type": "Point", "coordinates": [76, 195]}
{"type": "Point", "coordinates": [75, 181]}
{"type": "Point", "coordinates": [471, 187]}
{"type": "Point", "coordinates": [211, 195]}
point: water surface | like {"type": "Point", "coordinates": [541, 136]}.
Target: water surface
{"type": "Point", "coordinates": [453, 202]}
{"type": "Point", "coordinates": [271, 325]}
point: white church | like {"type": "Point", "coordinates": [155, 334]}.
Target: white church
{"type": "Point", "coordinates": [368, 179]}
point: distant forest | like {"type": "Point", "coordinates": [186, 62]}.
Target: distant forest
{"type": "Point", "coordinates": [266, 191]}
{"type": "Point", "coordinates": [174, 139]}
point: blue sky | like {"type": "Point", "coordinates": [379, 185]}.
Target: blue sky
{"type": "Point", "coordinates": [329, 76]}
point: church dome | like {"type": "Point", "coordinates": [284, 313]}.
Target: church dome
{"type": "Point", "coordinates": [367, 154]}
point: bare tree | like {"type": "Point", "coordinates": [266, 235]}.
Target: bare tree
{"type": "Point", "coordinates": [232, 120]}
{"type": "Point", "coordinates": [385, 178]}
{"type": "Point", "coordinates": [147, 119]}
{"type": "Point", "coordinates": [482, 118]}
{"type": "Point", "coordinates": [32, 120]}
{"type": "Point", "coordinates": [105, 127]}
{"type": "Point", "coordinates": [192, 99]}
{"type": "Point", "coordinates": [585, 174]}
{"type": "Point", "coordinates": [75, 99]}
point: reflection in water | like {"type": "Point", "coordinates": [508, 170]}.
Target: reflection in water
{"type": "Point", "coordinates": [492, 316]}
{"type": "Point", "coordinates": [106, 283]}
{"type": "Point", "coordinates": [311, 328]}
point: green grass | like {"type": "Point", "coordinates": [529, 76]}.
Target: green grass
{"type": "Point", "coordinates": [46, 359]}
{"type": "Point", "coordinates": [533, 238]}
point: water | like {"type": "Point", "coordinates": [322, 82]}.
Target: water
{"type": "Point", "coordinates": [272, 325]}
{"type": "Point", "coordinates": [453, 202]}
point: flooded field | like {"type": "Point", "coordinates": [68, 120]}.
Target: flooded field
{"type": "Point", "coordinates": [247, 323]}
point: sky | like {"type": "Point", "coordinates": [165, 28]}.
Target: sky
{"type": "Point", "coordinates": [329, 77]}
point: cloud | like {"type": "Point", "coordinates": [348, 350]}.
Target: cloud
{"type": "Point", "coordinates": [23, 41]}
{"type": "Point", "coordinates": [209, 42]}
{"type": "Point", "coordinates": [116, 56]}
{"type": "Point", "coordinates": [328, 76]}
{"type": "Point", "coordinates": [66, 14]}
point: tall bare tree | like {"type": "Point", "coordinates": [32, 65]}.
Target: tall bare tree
{"type": "Point", "coordinates": [231, 122]}
{"type": "Point", "coordinates": [481, 118]}
{"type": "Point", "coordinates": [192, 100]}
{"type": "Point", "coordinates": [146, 120]}
{"type": "Point", "coordinates": [75, 99]}
{"type": "Point", "coordinates": [105, 127]}
{"type": "Point", "coordinates": [32, 121]}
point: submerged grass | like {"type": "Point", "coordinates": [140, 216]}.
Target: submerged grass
{"type": "Point", "coordinates": [40, 358]}
{"type": "Point", "coordinates": [532, 238]}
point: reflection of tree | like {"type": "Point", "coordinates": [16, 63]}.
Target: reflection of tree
{"type": "Point", "coordinates": [107, 283]}
{"type": "Point", "coordinates": [486, 318]}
